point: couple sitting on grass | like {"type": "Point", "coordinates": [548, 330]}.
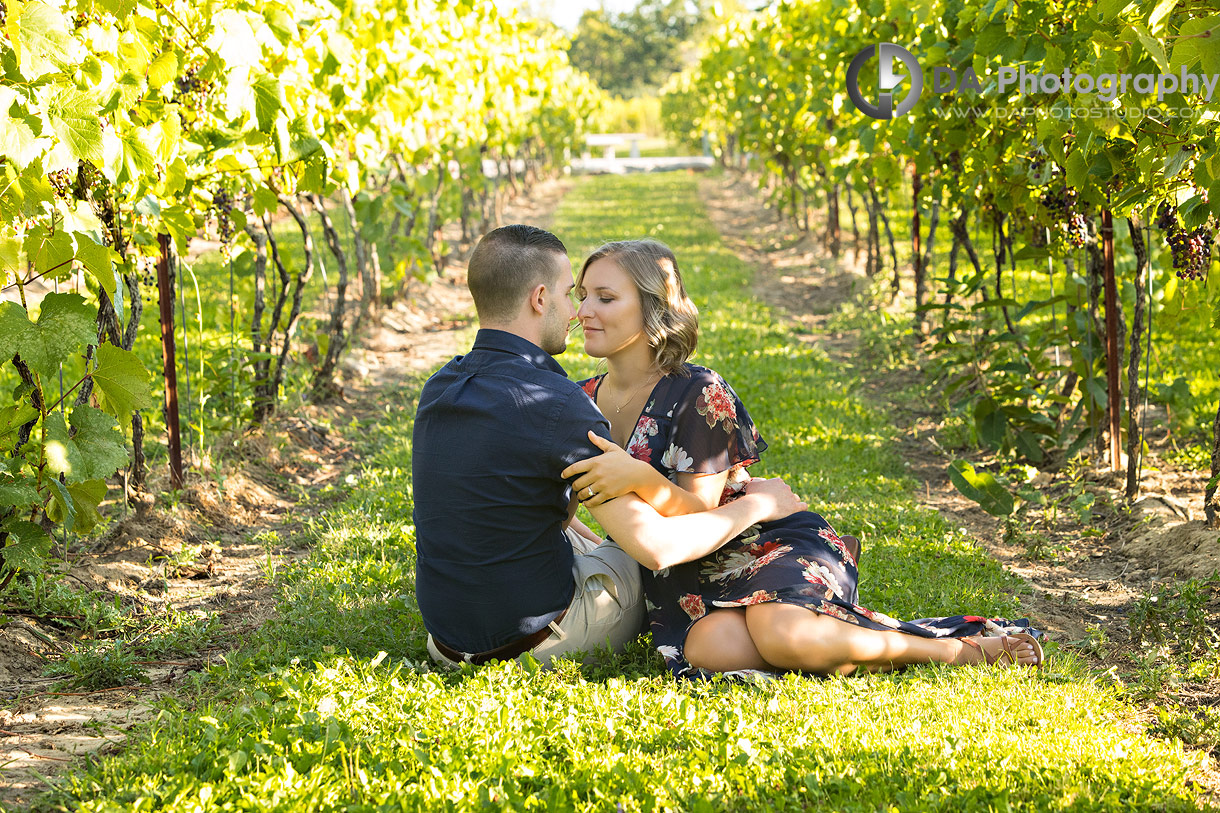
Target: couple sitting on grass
{"type": "Point", "coordinates": [733, 574]}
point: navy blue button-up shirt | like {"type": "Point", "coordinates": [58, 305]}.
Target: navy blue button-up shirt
{"type": "Point", "coordinates": [494, 429]}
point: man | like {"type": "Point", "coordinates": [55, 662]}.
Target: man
{"type": "Point", "coordinates": [502, 565]}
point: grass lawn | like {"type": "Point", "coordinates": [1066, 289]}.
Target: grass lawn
{"type": "Point", "coordinates": [311, 715]}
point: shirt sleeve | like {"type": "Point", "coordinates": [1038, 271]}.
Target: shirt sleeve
{"type": "Point", "coordinates": [712, 431]}
{"type": "Point", "coordinates": [571, 439]}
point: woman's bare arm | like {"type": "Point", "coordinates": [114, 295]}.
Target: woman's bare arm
{"type": "Point", "coordinates": [614, 473]}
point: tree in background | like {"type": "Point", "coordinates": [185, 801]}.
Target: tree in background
{"type": "Point", "coordinates": [633, 53]}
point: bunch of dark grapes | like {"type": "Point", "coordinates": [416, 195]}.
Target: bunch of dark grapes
{"type": "Point", "coordinates": [1191, 250]}
{"type": "Point", "coordinates": [3, 13]}
{"type": "Point", "coordinates": [222, 202]}
{"type": "Point", "coordinates": [1040, 169]}
{"type": "Point", "coordinates": [1065, 210]}
{"type": "Point", "coordinates": [148, 279]}
{"type": "Point", "coordinates": [191, 87]}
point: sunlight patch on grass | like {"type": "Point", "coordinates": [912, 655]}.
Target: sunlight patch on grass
{"type": "Point", "coordinates": [310, 716]}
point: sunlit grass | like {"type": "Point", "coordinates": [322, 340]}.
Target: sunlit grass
{"type": "Point", "coordinates": [309, 716]}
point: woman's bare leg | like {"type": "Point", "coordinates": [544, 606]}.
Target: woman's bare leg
{"type": "Point", "coordinates": [720, 642]}
{"type": "Point", "coordinates": [793, 637]}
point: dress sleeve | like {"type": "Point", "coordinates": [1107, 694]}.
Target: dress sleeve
{"type": "Point", "coordinates": [712, 431]}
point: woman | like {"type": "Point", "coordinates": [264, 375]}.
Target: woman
{"type": "Point", "coordinates": [781, 598]}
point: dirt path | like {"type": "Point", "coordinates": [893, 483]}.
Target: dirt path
{"type": "Point", "coordinates": [1083, 578]}
{"type": "Point", "coordinates": [210, 555]}
{"type": "Point", "coordinates": [1086, 573]}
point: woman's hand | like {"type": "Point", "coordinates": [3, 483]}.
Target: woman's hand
{"type": "Point", "coordinates": [782, 501]}
{"type": "Point", "coordinates": [610, 474]}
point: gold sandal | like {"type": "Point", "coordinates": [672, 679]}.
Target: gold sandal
{"type": "Point", "coordinates": [1006, 651]}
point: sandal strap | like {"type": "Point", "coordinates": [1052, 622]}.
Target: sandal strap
{"type": "Point", "coordinates": [1006, 644]}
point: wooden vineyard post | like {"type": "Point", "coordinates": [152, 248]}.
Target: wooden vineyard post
{"type": "Point", "coordinates": [165, 295]}
{"type": "Point", "coordinates": [1112, 348]}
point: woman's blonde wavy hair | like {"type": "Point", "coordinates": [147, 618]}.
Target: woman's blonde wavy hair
{"type": "Point", "coordinates": [671, 320]}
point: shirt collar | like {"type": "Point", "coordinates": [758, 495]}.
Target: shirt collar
{"type": "Point", "coordinates": [491, 339]}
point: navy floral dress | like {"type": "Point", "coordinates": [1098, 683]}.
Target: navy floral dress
{"type": "Point", "coordinates": [696, 423]}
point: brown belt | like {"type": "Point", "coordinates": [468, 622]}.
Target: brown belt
{"type": "Point", "coordinates": [506, 652]}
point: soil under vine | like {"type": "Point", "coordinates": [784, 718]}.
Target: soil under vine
{"type": "Point", "coordinates": [1079, 583]}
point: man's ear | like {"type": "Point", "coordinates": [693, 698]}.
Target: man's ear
{"type": "Point", "coordinates": [537, 298]}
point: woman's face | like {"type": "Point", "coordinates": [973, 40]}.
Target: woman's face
{"type": "Point", "coordinates": [610, 313]}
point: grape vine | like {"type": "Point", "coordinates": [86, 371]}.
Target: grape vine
{"type": "Point", "coordinates": [127, 121]}
{"type": "Point", "coordinates": [1034, 169]}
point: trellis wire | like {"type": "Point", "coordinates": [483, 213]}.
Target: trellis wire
{"type": "Point", "coordinates": [199, 320]}
{"type": "Point", "coordinates": [232, 351]}
{"type": "Point", "coordinates": [1050, 273]}
{"type": "Point", "coordinates": [1139, 475]}
{"type": "Point", "coordinates": [63, 540]}
{"type": "Point", "coordinates": [1090, 333]}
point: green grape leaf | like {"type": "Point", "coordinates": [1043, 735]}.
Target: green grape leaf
{"type": "Point", "coordinates": [74, 118]}
{"type": "Point", "coordinates": [42, 40]}
{"type": "Point", "coordinates": [1175, 163]}
{"type": "Point", "coordinates": [175, 177]}
{"type": "Point", "coordinates": [65, 325]}
{"type": "Point", "coordinates": [17, 138]}
{"type": "Point", "coordinates": [127, 90]}
{"type": "Point", "coordinates": [87, 496]}
{"type": "Point", "coordinates": [268, 101]}
{"type": "Point", "coordinates": [80, 218]}
{"type": "Point", "coordinates": [981, 487]}
{"type": "Point", "coordinates": [77, 502]}
{"type": "Point", "coordinates": [51, 253]}
{"type": "Point", "coordinates": [16, 416]}
{"type": "Point", "coordinates": [95, 451]}
{"type": "Point", "coordinates": [99, 261]}
{"type": "Point", "coordinates": [163, 69]}
{"type": "Point", "coordinates": [98, 438]}
{"type": "Point", "coordinates": [18, 495]}
{"type": "Point", "coordinates": [137, 158]}
{"type": "Point", "coordinates": [121, 382]}
{"type": "Point", "coordinates": [1153, 46]}
{"type": "Point", "coordinates": [1097, 389]}
{"type": "Point", "coordinates": [27, 548]}
{"type": "Point", "coordinates": [178, 224]}
{"type": "Point", "coordinates": [60, 508]}
{"type": "Point", "coordinates": [295, 140]}
{"type": "Point", "coordinates": [1076, 169]}
{"type": "Point", "coordinates": [119, 8]}
{"type": "Point", "coordinates": [1159, 14]}
{"type": "Point", "coordinates": [281, 23]}
{"type": "Point", "coordinates": [10, 252]}
{"type": "Point", "coordinates": [1210, 55]}
{"type": "Point", "coordinates": [1110, 9]}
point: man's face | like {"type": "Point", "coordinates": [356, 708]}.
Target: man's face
{"type": "Point", "coordinates": [560, 308]}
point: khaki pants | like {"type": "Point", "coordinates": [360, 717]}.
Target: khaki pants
{"type": "Point", "coordinates": [607, 608]}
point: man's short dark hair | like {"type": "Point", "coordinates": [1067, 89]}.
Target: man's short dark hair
{"type": "Point", "coordinates": [506, 264]}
